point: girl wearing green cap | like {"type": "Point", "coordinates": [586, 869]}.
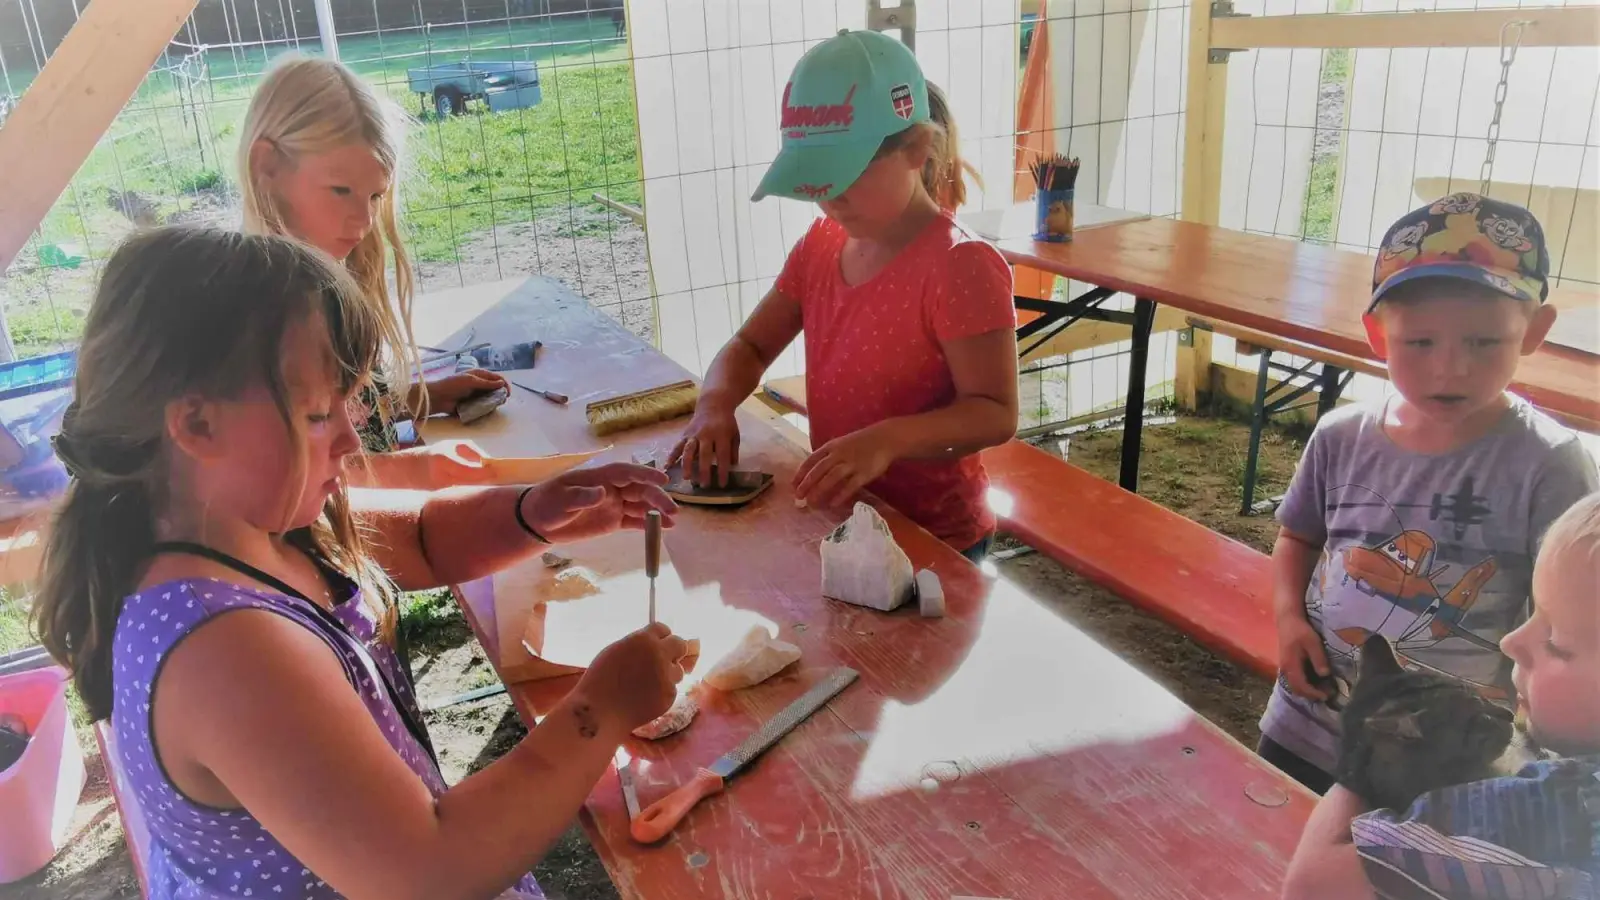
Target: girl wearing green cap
{"type": "Point", "coordinates": [908, 318]}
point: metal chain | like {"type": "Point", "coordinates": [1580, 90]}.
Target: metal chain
{"type": "Point", "coordinates": [1508, 55]}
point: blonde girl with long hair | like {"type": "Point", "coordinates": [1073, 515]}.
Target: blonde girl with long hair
{"type": "Point", "coordinates": [320, 159]}
{"type": "Point", "coordinates": [911, 364]}
{"type": "Point", "coordinates": [220, 602]}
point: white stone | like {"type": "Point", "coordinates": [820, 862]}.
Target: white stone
{"type": "Point", "coordinates": [862, 564]}
{"type": "Point", "coordinates": [757, 657]}
{"type": "Point", "coordinates": [930, 594]}
{"type": "Point", "coordinates": [674, 720]}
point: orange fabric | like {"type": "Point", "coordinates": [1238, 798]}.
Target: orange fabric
{"type": "Point", "coordinates": [1035, 138]}
{"type": "Point", "coordinates": [1035, 108]}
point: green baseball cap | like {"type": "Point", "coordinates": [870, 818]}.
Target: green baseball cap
{"type": "Point", "coordinates": [844, 97]}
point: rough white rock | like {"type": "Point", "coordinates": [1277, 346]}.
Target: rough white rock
{"type": "Point", "coordinates": [674, 720]}
{"type": "Point", "coordinates": [756, 658]}
{"type": "Point", "coordinates": [862, 564]}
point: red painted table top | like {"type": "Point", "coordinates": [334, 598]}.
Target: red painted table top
{"type": "Point", "coordinates": [1287, 289]}
{"type": "Point", "coordinates": [997, 752]}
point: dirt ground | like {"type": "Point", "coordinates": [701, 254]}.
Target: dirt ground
{"type": "Point", "coordinates": [600, 255]}
{"type": "Point", "coordinates": [1192, 465]}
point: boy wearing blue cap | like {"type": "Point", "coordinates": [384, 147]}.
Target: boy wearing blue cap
{"type": "Point", "coordinates": [911, 364]}
{"type": "Point", "coordinates": [1418, 517]}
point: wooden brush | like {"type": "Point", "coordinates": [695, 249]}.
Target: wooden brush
{"type": "Point", "coordinates": [642, 408]}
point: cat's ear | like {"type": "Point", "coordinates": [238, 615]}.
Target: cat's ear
{"type": "Point", "coordinates": [1377, 659]}
{"type": "Point", "coordinates": [1394, 721]}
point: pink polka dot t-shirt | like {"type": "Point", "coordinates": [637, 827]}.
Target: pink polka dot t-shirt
{"type": "Point", "coordinates": [874, 352]}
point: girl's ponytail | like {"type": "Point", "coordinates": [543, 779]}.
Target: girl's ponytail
{"type": "Point", "coordinates": [100, 539]}
{"type": "Point", "coordinates": [944, 173]}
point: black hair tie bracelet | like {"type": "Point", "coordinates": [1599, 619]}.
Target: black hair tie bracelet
{"type": "Point", "coordinates": [522, 520]}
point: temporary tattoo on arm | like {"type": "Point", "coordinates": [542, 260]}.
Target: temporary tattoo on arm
{"type": "Point", "coordinates": [586, 724]}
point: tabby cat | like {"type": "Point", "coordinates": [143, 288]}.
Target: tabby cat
{"type": "Point", "coordinates": [1410, 732]}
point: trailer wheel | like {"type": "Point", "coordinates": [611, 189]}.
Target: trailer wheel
{"type": "Point", "coordinates": [447, 101]}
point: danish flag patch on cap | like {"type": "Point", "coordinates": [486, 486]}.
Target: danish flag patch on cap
{"type": "Point", "coordinates": [904, 105]}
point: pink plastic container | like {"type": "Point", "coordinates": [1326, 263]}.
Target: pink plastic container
{"type": "Point", "coordinates": [39, 792]}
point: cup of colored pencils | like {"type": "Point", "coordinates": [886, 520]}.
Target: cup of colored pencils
{"type": "Point", "coordinates": [1054, 178]}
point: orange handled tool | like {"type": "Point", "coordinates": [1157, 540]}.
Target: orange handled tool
{"type": "Point", "coordinates": [660, 817]}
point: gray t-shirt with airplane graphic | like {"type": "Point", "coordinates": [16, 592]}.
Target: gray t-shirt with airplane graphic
{"type": "Point", "coordinates": [1434, 552]}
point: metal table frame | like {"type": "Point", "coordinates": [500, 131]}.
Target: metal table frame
{"type": "Point", "coordinates": [1329, 381]}
{"type": "Point", "coordinates": [1055, 317]}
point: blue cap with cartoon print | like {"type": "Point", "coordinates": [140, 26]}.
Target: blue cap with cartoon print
{"type": "Point", "coordinates": [1469, 237]}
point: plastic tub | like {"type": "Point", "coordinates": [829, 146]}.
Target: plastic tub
{"type": "Point", "coordinates": [39, 792]}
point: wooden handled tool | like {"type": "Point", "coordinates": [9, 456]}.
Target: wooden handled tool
{"type": "Point", "coordinates": [652, 555]}
{"type": "Point", "coordinates": [552, 396]}
{"type": "Point", "coordinates": [660, 817]}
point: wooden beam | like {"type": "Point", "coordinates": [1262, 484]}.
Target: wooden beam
{"type": "Point", "coordinates": [1235, 387]}
{"type": "Point", "coordinates": [632, 212]}
{"type": "Point", "coordinates": [1205, 107]}
{"type": "Point", "coordinates": [64, 112]}
{"type": "Point", "coordinates": [1191, 381]}
{"type": "Point", "coordinates": [1569, 26]}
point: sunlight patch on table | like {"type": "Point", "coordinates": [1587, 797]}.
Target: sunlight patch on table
{"type": "Point", "coordinates": [1032, 686]}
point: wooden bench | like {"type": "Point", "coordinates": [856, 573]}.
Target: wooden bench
{"type": "Point", "coordinates": [122, 794]}
{"type": "Point", "coordinates": [1211, 587]}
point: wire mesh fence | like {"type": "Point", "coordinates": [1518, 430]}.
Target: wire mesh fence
{"type": "Point", "coordinates": [485, 195]}
{"type": "Point", "coordinates": [1332, 145]}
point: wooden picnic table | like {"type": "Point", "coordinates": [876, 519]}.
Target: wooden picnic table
{"type": "Point", "coordinates": [1299, 292]}
{"type": "Point", "coordinates": [997, 752]}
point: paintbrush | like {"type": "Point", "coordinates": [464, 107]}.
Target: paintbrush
{"type": "Point", "coordinates": [652, 555]}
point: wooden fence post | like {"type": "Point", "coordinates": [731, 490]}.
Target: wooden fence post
{"type": "Point", "coordinates": [65, 111]}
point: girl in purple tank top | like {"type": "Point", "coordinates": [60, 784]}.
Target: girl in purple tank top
{"type": "Point", "coordinates": [223, 602]}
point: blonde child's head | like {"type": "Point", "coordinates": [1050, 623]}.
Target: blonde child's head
{"type": "Point", "coordinates": [1458, 295]}
{"type": "Point", "coordinates": [864, 133]}
{"type": "Point", "coordinates": [320, 158]}
{"type": "Point", "coordinates": [1557, 652]}
{"type": "Point", "coordinates": [211, 383]}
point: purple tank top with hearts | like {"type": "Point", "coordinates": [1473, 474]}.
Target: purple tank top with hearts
{"type": "Point", "coordinates": [201, 851]}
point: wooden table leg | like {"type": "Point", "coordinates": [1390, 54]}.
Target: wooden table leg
{"type": "Point", "coordinates": [1144, 317]}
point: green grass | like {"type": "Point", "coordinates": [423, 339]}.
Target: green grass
{"type": "Point", "coordinates": [429, 618]}
{"type": "Point", "coordinates": [174, 146]}
{"type": "Point", "coordinates": [15, 632]}
{"type": "Point", "coordinates": [478, 171]}
{"type": "Point", "coordinates": [1322, 186]}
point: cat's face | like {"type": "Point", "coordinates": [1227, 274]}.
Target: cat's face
{"type": "Point", "coordinates": [1406, 733]}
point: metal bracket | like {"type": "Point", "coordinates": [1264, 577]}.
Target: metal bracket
{"type": "Point", "coordinates": [902, 18]}
{"type": "Point", "coordinates": [1223, 9]}
{"type": "Point", "coordinates": [1186, 337]}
